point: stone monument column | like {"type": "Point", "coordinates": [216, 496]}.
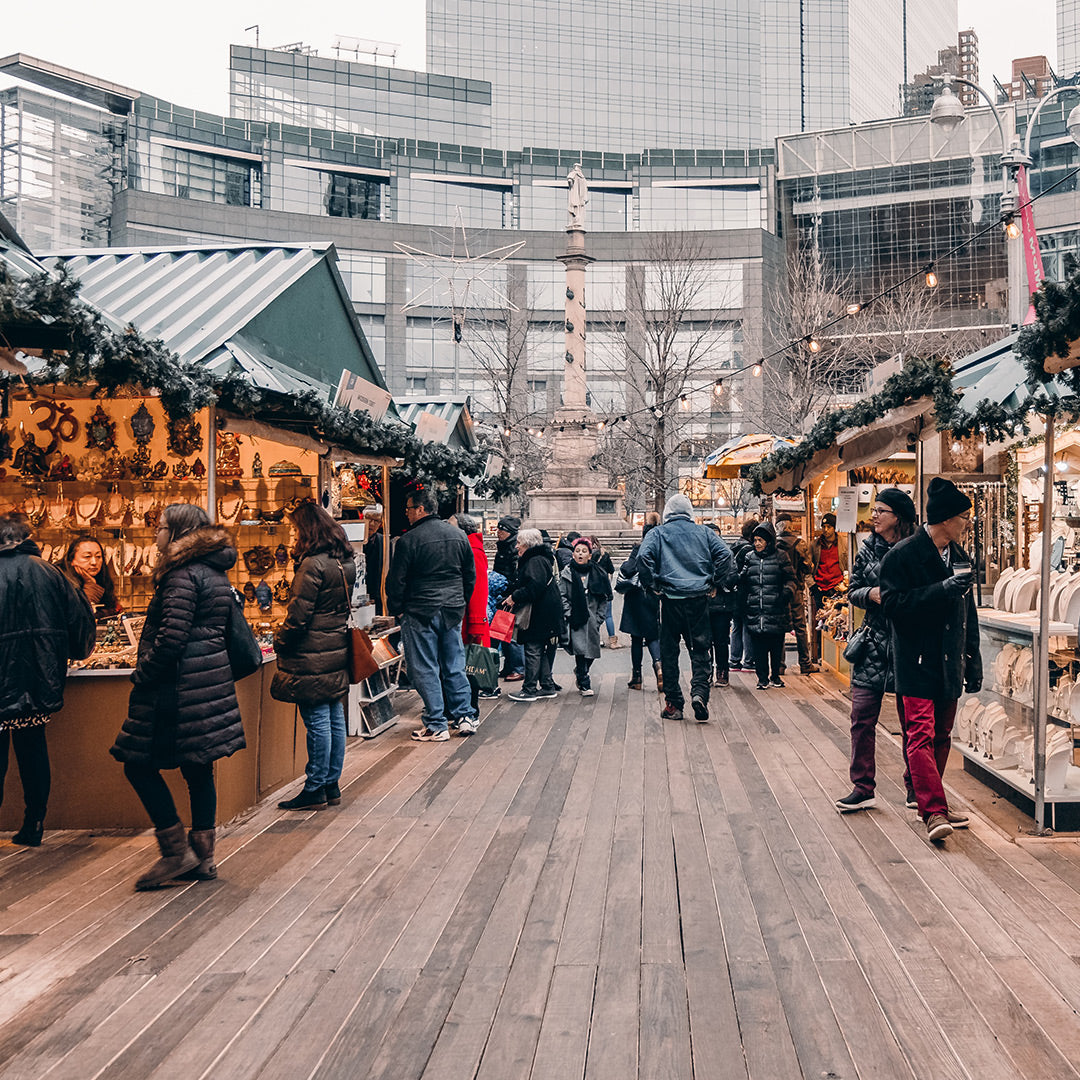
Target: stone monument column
{"type": "Point", "coordinates": [572, 490]}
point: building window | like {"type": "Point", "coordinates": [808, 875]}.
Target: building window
{"type": "Point", "coordinates": [414, 385]}
{"type": "Point", "coordinates": [351, 197]}
{"type": "Point", "coordinates": [537, 395]}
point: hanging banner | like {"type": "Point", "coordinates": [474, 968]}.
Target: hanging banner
{"type": "Point", "coordinates": [1032, 254]}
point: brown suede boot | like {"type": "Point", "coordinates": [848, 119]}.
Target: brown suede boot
{"type": "Point", "coordinates": [202, 843]}
{"type": "Point", "coordinates": [176, 858]}
{"type": "Point", "coordinates": [659, 669]}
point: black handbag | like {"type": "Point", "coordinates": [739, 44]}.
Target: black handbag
{"type": "Point", "coordinates": [245, 656]}
{"type": "Point", "coordinates": [858, 646]}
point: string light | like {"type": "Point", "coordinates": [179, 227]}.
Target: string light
{"type": "Point", "coordinates": [853, 309]}
{"type": "Point", "coordinates": [756, 371]}
{"type": "Point", "coordinates": [684, 402]}
{"type": "Point", "coordinates": [1012, 230]}
{"type": "Point", "coordinates": [931, 277]}
{"type": "Point", "coordinates": [718, 387]}
{"type": "Point", "coordinates": [600, 426]}
{"type": "Point", "coordinates": [813, 344]}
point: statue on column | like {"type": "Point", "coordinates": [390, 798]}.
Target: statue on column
{"type": "Point", "coordinates": [577, 196]}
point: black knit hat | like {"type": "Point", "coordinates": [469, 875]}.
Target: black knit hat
{"type": "Point", "coordinates": [899, 502]}
{"type": "Point", "coordinates": [829, 519]}
{"type": "Point", "coordinates": [510, 524]}
{"type": "Point", "coordinates": [944, 500]}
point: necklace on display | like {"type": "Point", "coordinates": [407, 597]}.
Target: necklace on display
{"type": "Point", "coordinates": [59, 511]}
{"type": "Point", "coordinates": [116, 509]}
{"type": "Point", "coordinates": [87, 508]}
{"type": "Point", "coordinates": [228, 508]}
{"type": "Point", "coordinates": [34, 509]}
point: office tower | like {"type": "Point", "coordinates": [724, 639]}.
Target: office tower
{"type": "Point", "coordinates": [625, 76]}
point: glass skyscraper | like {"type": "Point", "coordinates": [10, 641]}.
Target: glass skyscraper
{"type": "Point", "coordinates": [625, 75]}
{"type": "Point", "coordinates": [1068, 37]}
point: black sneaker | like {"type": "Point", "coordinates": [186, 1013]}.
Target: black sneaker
{"type": "Point", "coordinates": [855, 801]}
{"type": "Point", "coordinates": [497, 692]}
{"type": "Point", "coordinates": [525, 695]}
{"type": "Point", "coordinates": [333, 794]}
{"type": "Point", "coordinates": [911, 803]}
{"type": "Point", "coordinates": [776, 682]}
{"type": "Point", "coordinates": [701, 710]}
{"type": "Point", "coordinates": [548, 692]}
{"type": "Point", "coordinates": [762, 685]}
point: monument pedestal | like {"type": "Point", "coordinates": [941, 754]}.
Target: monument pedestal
{"type": "Point", "coordinates": [575, 496]}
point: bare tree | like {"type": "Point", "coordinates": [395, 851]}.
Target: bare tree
{"type": "Point", "coordinates": [666, 342]}
{"type": "Point", "coordinates": [500, 341]}
{"type": "Point", "coordinates": [805, 378]}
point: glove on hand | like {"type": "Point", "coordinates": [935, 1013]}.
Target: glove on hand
{"type": "Point", "coordinates": [958, 584]}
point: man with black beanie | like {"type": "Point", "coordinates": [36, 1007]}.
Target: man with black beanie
{"type": "Point", "coordinates": [926, 583]}
{"type": "Point", "coordinates": [506, 563]}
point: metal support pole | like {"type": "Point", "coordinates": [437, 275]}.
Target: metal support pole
{"type": "Point", "coordinates": [211, 464]}
{"type": "Point", "coordinates": [385, 534]}
{"type": "Point", "coordinates": [1042, 640]}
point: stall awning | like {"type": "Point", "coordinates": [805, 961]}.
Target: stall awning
{"type": "Point", "coordinates": [455, 413]}
{"type": "Point", "coordinates": [729, 462]}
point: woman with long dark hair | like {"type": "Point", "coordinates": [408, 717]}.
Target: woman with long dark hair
{"type": "Point", "coordinates": [183, 712]}
{"type": "Point", "coordinates": [892, 518]}
{"type": "Point", "coordinates": [85, 567]}
{"type": "Point", "coordinates": [312, 650]}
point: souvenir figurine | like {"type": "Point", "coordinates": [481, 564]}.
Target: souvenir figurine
{"type": "Point", "coordinates": [256, 466]}
{"type": "Point", "coordinates": [180, 470]}
{"type": "Point", "coordinates": [5, 442]}
{"type": "Point", "coordinates": [62, 469]}
{"type": "Point", "coordinates": [198, 470]}
{"type": "Point", "coordinates": [249, 592]}
{"type": "Point", "coordinates": [114, 467]}
{"type": "Point", "coordinates": [185, 436]}
{"type": "Point", "coordinates": [30, 459]}
{"type": "Point", "coordinates": [142, 425]}
{"type": "Point", "coordinates": [282, 591]}
{"type": "Point", "coordinates": [281, 555]}
{"type": "Point", "coordinates": [264, 596]}
{"type": "Point", "coordinates": [140, 462]}
{"type": "Point", "coordinates": [101, 430]}
{"type": "Point", "coordinates": [159, 471]}
{"type": "Point", "coordinates": [228, 454]}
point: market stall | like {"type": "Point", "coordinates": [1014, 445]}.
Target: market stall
{"type": "Point", "coordinates": [100, 429]}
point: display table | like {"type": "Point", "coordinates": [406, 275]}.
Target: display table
{"type": "Point", "coordinates": [88, 786]}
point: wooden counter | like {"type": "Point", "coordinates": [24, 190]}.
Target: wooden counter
{"type": "Point", "coordinates": [88, 786]}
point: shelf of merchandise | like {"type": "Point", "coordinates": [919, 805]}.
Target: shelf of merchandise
{"type": "Point", "coordinates": [361, 718]}
{"type": "Point", "coordinates": [1062, 803]}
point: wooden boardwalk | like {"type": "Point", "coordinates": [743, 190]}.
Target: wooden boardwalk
{"type": "Point", "coordinates": [580, 890]}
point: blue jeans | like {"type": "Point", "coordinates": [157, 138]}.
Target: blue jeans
{"type": "Point", "coordinates": [435, 654]}
{"type": "Point", "coordinates": [325, 723]}
{"type": "Point", "coordinates": [513, 658]}
{"type": "Point", "coordinates": [608, 619]}
{"type": "Point", "coordinates": [742, 647]}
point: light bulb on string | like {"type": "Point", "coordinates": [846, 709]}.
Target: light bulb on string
{"type": "Point", "coordinates": [756, 371]}
{"type": "Point", "coordinates": [684, 402]}
{"type": "Point", "coordinates": [853, 309]}
{"type": "Point", "coordinates": [1012, 230]}
{"type": "Point", "coordinates": [931, 277]}
{"type": "Point", "coordinates": [813, 345]}
{"type": "Point", "coordinates": [718, 387]}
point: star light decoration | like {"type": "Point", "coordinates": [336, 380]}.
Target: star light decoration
{"type": "Point", "coordinates": [457, 274]}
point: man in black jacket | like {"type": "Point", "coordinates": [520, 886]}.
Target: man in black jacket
{"type": "Point", "coordinates": [44, 623]}
{"type": "Point", "coordinates": [430, 581]}
{"type": "Point", "coordinates": [794, 547]}
{"type": "Point", "coordinates": [926, 583]}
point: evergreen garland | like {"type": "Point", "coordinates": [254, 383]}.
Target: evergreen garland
{"type": "Point", "coordinates": [499, 486]}
{"type": "Point", "coordinates": [1056, 327]}
{"type": "Point", "coordinates": [919, 378]}
{"type": "Point", "coordinates": [95, 353]}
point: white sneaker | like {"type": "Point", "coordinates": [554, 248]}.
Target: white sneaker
{"type": "Point", "coordinates": [425, 734]}
{"type": "Point", "coordinates": [467, 726]}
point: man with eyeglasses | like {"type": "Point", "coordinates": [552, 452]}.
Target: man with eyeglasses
{"type": "Point", "coordinates": [926, 592]}
{"type": "Point", "coordinates": [430, 581]}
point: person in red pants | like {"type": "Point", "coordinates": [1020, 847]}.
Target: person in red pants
{"type": "Point", "coordinates": [926, 583]}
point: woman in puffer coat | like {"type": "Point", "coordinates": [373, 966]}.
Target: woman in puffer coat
{"type": "Point", "coordinates": [183, 712]}
{"type": "Point", "coordinates": [536, 585]}
{"type": "Point", "coordinates": [312, 650]}
{"type": "Point", "coordinates": [586, 591]}
{"type": "Point", "coordinates": [893, 518]}
{"type": "Point", "coordinates": [768, 583]}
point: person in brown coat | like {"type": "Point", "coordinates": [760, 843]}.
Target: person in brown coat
{"type": "Point", "coordinates": [312, 650]}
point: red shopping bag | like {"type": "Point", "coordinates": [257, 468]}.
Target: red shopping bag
{"type": "Point", "coordinates": [502, 625]}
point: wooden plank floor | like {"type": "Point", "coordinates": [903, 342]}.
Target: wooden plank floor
{"type": "Point", "coordinates": [578, 891]}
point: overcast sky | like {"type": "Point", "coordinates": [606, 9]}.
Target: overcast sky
{"type": "Point", "coordinates": [179, 51]}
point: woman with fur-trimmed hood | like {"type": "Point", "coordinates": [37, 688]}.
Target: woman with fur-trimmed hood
{"type": "Point", "coordinates": [183, 711]}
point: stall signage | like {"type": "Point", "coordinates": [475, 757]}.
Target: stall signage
{"type": "Point", "coordinates": [430, 428]}
{"type": "Point", "coordinates": [361, 396]}
{"type": "Point", "coordinates": [847, 509]}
